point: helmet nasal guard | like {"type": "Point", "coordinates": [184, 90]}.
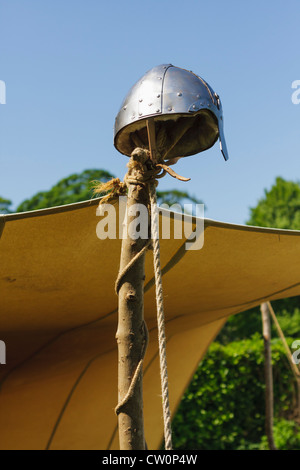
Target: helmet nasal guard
{"type": "Point", "coordinates": [175, 98]}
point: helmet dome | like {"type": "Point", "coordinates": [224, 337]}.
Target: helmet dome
{"type": "Point", "coordinates": [174, 97]}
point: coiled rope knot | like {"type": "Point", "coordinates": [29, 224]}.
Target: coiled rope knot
{"type": "Point", "coordinates": [141, 171]}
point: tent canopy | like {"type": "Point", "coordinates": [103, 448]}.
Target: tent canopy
{"type": "Point", "coordinates": [58, 318]}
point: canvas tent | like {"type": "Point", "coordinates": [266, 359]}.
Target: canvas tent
{"type": "Point", "coordinates": [58, 318]}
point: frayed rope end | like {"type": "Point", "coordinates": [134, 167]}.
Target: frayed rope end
{"type": "Point", "coordinates": [114, 188]}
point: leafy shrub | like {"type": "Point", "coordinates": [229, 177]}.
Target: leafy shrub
{"type": "Point", "coordinates": [224, 406]}
{"type": "Point", "coordinates": [286, 436]}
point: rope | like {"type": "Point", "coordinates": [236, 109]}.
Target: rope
{"type": "Point", "coordinates": [293, 366]}
{"type": "Point", "coordinates": [160, 319]}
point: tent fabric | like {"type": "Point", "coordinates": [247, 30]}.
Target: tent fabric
{"type": "Point", "coordinates": [58, 318]}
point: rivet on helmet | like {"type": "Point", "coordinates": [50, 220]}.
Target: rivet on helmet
{"type": "Point", "coordinates": [186, 111]}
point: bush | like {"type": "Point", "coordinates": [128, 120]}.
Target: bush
{"type": "Point", "coordinates": [224, 406]}
{"type": "Point", "coordinates": [243, 325]}
{"type": "Point", "coordinates": [286, 436]}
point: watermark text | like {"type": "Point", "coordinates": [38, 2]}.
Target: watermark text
{"type": "Point", "coordinates": [296, 93]}
{"type": "Point", "coordinates": [176, 223]}
{"type": "Point", "coordinates": [296, 354]}
{"type": "Point", "coordinates": [2, 92]}
{"type": "Point", "coordinates": [2, 352]}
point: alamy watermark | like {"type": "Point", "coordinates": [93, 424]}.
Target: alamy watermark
{"type": "Point", "coordinates": [2, 92]}
{"type": "Point", "coordinates": [2, 352]}
{"type": "Point", "coordinates": [296, 94]}
{"type": "Point", "coordinates": [296, 354]}
{"type": "Point", "coordinates": [176, 223]}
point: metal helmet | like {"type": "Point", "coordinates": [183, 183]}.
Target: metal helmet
{"type": "Point", "coordinates": [171, 95]}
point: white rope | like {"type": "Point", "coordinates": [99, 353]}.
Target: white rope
{"type": "Point", "coordinates": [160, 319]}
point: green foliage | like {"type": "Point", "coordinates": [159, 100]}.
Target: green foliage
{"type": "Point", "coordinates": [245, 324]}
{"type": "Point", "coordinates": [280, 207]}
{"type": "Point", "coordinates": [223, 408]}
{"type": "Point", "coordinates": [174, 196]}
{"type": "Point", "coordinates": [78, 187]}
{"type": "Point", "coordinates": [290, 322]}
{"type": "Point", "coordinates": [286, 436]}
{"type": "Point", "coordinates": [74, 188]}
{"type": "Point", "coordinates": [5, 205]}
{"type": "Point", "coordinates": [240, 326]}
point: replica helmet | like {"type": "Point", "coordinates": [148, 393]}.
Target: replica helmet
{"type": "Point", "coordinates": [175, 98]}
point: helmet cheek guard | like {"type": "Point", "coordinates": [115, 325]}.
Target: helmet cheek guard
{"type": "Point", "coordinates": [186, 111]}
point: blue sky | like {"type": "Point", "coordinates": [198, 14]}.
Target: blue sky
{"type": "Point", "coordinates": [68, 64]}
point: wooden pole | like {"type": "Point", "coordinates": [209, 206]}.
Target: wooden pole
{"type": "Point", "coordinates": [131, 332]}
{"type": "Point", "coordinates": [294, 367]}
{"type": "Point", "coordinates": [298, 399]}
{"type": "Point", "coordinates": [266, 326]}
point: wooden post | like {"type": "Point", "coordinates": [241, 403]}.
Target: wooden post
{"type": "Point", "coordinates": [289, 356]}
{"type": "Point", "coordinates": [131, 333]}
{"type": "Point", "coordinates": [298, 399]}
{"type": "Point", "coordinates": [268, 374]}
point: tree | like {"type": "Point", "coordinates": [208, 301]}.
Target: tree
{"type": "Point", "coordinates": [223, 407]}
{"type": "Point", "coordinates": [210, 416]}
{"type": "Point", "coordinates": [74, 188]}
{"type": "Point", "coordinates": [5, 205]}
{"type": "Point", "coordinates": [79, 187]}
{"type": "Point", "coordinates": [280, 206]}
{"type": "Point", "coordinates": [174, 196]}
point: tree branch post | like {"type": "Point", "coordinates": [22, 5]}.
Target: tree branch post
{"type": "Point", "coordinates": [266, 326]}
{"type": "Point", "coordinates": [132, 332]}
{"type": "Point", "coordinates": [132, 336]}
{"type": "Point", "coordinates": [294, 367]}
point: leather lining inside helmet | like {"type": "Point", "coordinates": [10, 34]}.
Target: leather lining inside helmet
{"type": "Point", "coordinates": [199, 136]}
